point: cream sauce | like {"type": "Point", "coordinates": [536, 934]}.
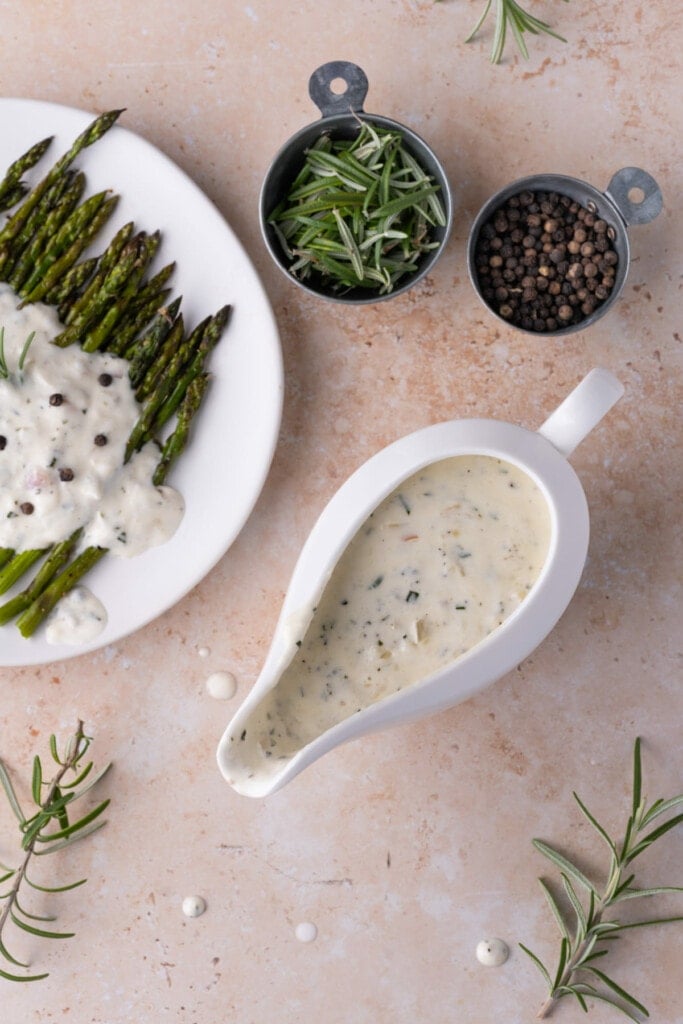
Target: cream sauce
{"type": "Point", "coordinates": [492, 952]}
{"type": "Point", "coordinates": [76, 619]}
{"type": "Point", "coordinates": [221, 685]}
{"type": "Point", "coordinates": [65, 417]}
{"type": "Point", "coordinates": [439, 565]}
{"type": "Point", "coordinates": [194, 906]}
{"type": "Point", "coordinates": [306, 931]}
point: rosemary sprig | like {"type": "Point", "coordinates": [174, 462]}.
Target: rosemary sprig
{"type": "Point", "coordinates": [583, 925]}
{"type": "Point", "coordinates": [360, 214]}
{"type": "Point", "coordinates": [513, 19]}
{"type": "Point", "coordinates": [49, 827]}
{"type": "Point", "coordinates": [4, 369]}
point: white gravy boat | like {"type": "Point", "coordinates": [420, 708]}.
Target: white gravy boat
{"type": "Point", "coordinates": [542, 455]}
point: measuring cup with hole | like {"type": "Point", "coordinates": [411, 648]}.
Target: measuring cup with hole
{"type": "Point", "coordinates": [340, 120]}
{"type": "Point", "coordinates": [617, 205]}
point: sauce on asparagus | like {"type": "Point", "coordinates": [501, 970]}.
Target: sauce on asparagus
{"type": "Point", "coordinates": [77, 618]}
{"type": "Point", "coordinates": [439, 565]}
{"type": "Point", "coordinates": [65, 418]}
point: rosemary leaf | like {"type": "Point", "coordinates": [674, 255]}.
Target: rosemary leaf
{"type": "Point", "coordinates": [652, 836]}
{"type": "Point", "coordinates": [37, 780]}
{"type": "Point", "coordinates": [555, 909]}
{"type": "Point", "coordinates": [646, 924]}
{"type": "Point", "coordinates": [596, 825]}
{"type": "Point", "coordinates": [595, 955]}
{"type": "Point", "coordinates": [542, 968]}
{"type": "Point", "coordinates": [61, 844]}
{"type": "Point", "coordinates": [617, 1005]}
{"type": "Point", "coordinates": [40, 932]}
{"type": "Point", "coordinates": [21, 977]}
{"type": "Point", "coordinates": [622, 993]}
{"type": "Point", "coordinates": [661, 807]}
{"type": "Point", "coordinates": [24, 351]}
{"type": "Point", "coordinates": [637, 777]}
{"type": "Point", "coordinates": [565, 947]}
{"type": "Point", "coordinates": [54, 888]}
{"type": "Point", "coordinates": [581, 924]}
{"type": "Point", "coordinates": [32, 917]}
{"type": "Point", "coordinates": [579, 995]}
{"type": "Point", "coordinates": [4, 952]}
{"type": "Point", "coordinates": [632, 894]}
{"type": "Point", "coordinates": [11, 795]}
{"type": "Point", "coordinates": [563, 864]}
{"type": "Point", "coordinates": [53, 749]}
{"type": "Point", "coordinates": [4, 369]}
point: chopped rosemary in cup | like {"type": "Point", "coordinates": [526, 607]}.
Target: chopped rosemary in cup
{"type": "Point", "coordinates": [360, 213]}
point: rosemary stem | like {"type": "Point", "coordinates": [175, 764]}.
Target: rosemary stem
{"type": "Point", "coordinates": [576, 957]}
{"type": "Point", "coordinates": [70, 762]}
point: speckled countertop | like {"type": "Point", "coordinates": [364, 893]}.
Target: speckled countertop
{"type": "Point", "coordinates": [408, 847]}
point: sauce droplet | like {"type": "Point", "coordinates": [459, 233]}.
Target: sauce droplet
{"type": "Point", "coordinates": [492, 952]}
{"type": "Point", "coordinates": [306, 932]}
{"type": "Point", "coordinates": [194, 906]}
{"type": "Point", "coordinates": [221, 685]}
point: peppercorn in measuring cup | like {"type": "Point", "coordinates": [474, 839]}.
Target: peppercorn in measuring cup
{"type": "Point", "coordinates": [549, 253]}
{"type": "Point", "coordinates": [544, 262]}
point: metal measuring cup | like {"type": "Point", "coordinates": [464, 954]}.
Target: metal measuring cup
{"type": "Point", "coordinates": [340, 112]}
{"type": "Point", "coordinates": [616, 206]}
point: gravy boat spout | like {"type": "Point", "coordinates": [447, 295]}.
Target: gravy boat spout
{"type": "Point", "coordinates": [498, 494]}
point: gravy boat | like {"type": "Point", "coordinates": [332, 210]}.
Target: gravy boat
{"type": "Point", "coordinates": [542, 455]}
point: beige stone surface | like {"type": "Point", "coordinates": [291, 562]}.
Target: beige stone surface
{"type": "Point", "coordinates": [408, 847]}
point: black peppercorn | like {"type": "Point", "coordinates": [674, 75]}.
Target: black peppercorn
{"type": "Point", "coordinates": [3, 442]}
{"type": "Point", "coordinates": [56, 399]}
{"type": "Point", "coordinates": [66, 474]}
{"type": "Point", "coordinates": [27, 508]}
{"type": "Point", "coordinates": [541, 252]}
{"type": "Point", "coordinates": [100, 440]}
{"type": "Point", "coordinates": [105, 379]}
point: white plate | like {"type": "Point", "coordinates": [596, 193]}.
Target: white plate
{"type": "Point", "coordinates": [222, 472]}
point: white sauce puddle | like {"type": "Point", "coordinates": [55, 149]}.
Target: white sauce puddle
{"type": "Point", "coordinates": [306, 932]}
{"type": "Point", "coordinates": [441, 563]}
{"type": "Point", "coordinates": [65, 418]}
{"type": "Point", "coordinates": [492, 952]}
{"type": "Point", "coordinates": [194, 906]}
{"type": "Point", "coordinates": [78, 618]}
{"type": "Point", "coordinates": [221, 685]}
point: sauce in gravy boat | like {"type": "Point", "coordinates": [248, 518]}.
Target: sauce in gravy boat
{"type": "Point", "coordinates": [436, 568]}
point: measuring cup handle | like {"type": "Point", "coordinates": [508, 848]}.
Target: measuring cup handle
{"type": "Point", "coordinates": [582, 409]}
{"type": "Point", "coordinates": [329, 102]}
{"type": "Point", "coordinates": [634, 211]}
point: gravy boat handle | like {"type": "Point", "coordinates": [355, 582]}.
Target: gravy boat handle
{"type": "Point", "coordinates": [581, 410]}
